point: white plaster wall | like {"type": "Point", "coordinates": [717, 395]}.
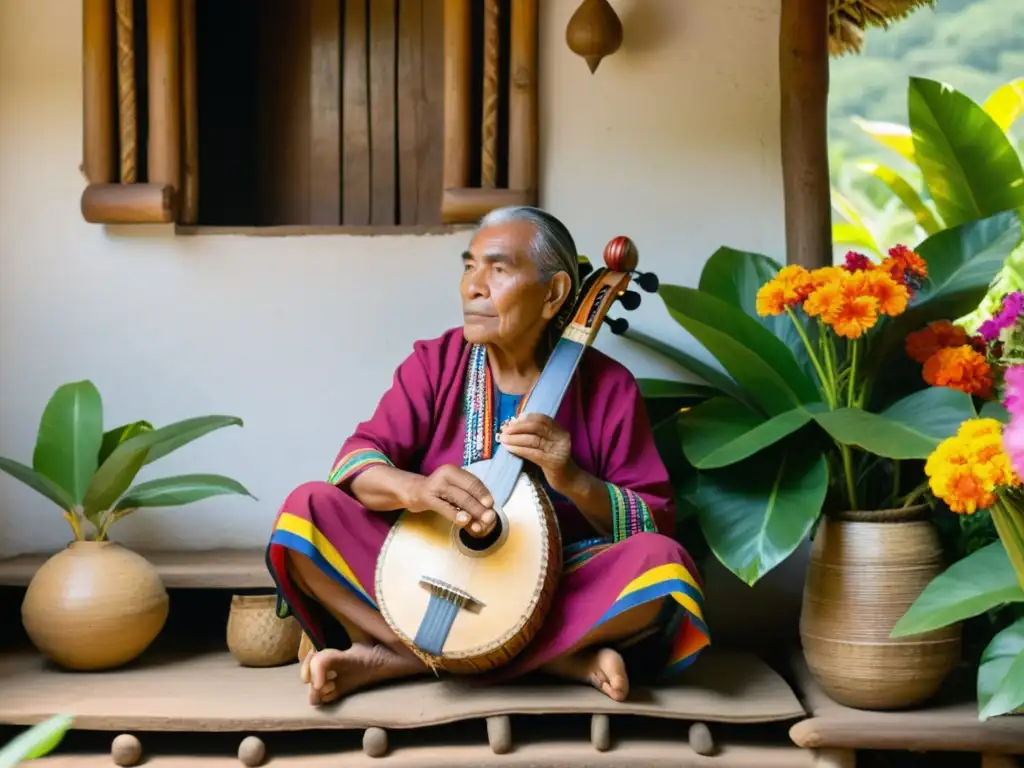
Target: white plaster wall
{"type": "Point", "coordinates": [674, 142]}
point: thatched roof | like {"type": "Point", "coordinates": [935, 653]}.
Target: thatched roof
{"type": "Point", "coordinates": [848, 20]}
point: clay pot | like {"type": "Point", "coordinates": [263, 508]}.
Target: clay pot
{"type": "Point", "coordinates": [257, 636]}
{"type": "Point", "coordinates": [865, 570]}
{"type": "Point", "coordinates": [95, 605]}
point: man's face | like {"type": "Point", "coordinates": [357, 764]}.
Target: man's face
{"type": "Point", "coordinates": [504, 301]}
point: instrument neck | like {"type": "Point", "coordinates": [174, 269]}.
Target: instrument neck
{"type": "Point", "coordinates": [546, 398]}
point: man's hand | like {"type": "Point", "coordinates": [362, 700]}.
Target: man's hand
{"type": "Point", "coordinates": [455, 494]}
{"type": "Point", "coordinates": [539, 439]}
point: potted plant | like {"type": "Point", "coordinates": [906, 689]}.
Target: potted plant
{"type": "Point", "coordinates": [96, 604]}
{"type": "Point", "coordinates": [978, 472]}
{"type": "Point", "coordinates": [816, 409]}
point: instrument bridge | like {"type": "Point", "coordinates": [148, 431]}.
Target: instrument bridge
{"type": "Point", "coordinates": [446, 600]}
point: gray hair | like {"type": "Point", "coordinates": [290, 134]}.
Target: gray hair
{"type": "Point", "coordinates": [552, 249]}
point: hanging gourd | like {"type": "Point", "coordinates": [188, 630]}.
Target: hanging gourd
{"type": "Point", "coordinates": [594, 32]}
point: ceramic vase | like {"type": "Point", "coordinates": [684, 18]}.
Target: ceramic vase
{"type": "Point", "coordinates": [257, 636]}
{"type": "Point", "coordinates": [865, 570]}
{"type": "Point", "coordinates": [94, 605]}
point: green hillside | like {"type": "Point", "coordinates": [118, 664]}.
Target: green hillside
{"type": "Point", "coordinates": [973, 45]}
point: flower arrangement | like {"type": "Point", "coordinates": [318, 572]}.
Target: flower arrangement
{"type": "Point", "coordinates": [805, 404]}
{"type": "Point", "coordinates": [978, 471]}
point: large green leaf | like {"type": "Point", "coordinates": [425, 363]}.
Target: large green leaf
{"type": "Point", "coordinates": [1006, 103]}
{"type": "Point", "coordinates": [179, 490]}
{"type": "Point", "coordinates": [903, 190]}
{"type": "Point", "coordinates": [852, 236]}
{"type": "Point", "coordinates": [756, 359]}
{"type": "Point", "coordinates": [983, 580]}
{"type": "Point", "coordinates": [735, 277]}
{"type": "Point", "coordinates": [722, 431]}
{"type": "Point", "coordinates": [962, 262]}
{"type": "Point", "coordinates": [37, 741]}
{"type": "Point", "coordinates": [70, 433]}
{"type": "Point", "coordinates": [967, 161]}
{"type": "Point", "coordinates": [910, 428]}
{"type": "Point", "coordinates": [681, 390]}
{"type": "Point", "coordinates": [993, 409]}
{"type": "Point", "coordinates": [173, 436]}
{"type": "Point", "coordinates": [116, 474]}
{"type": "Point", "coordinates": [1001, 673]}
{"type": "Point", "coordinates": [845, 208]}
{"type": "Point", "coordinates": [755, 514]}
{"type": "Point", "coordinates": [114, 437]}
{"type": "Point", "coordinates": [38, 483]}
{"type": "Point", "coordinates": [713, 376]}
{"type": "Point", "coordinates": [892, 135]}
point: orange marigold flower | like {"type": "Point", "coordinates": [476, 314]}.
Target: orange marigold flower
{"type": "Point", "coordinates": [788, 288]}
{"type": "Point", "coordinates": [892, 296]}
{"type": "Point", "coordinates": [771, 299]}
{"type": "Point", "coordinates": [939, 334]}
{"type": "Point", "coordinates": [826, 276]}
{"type": "Point", "coordinates": [911, 264]}
{"type": "Point", "coordinates": [961, 368]}
{"type": "Point", "coordinates": [854, 316]}
{"type": "Point", "coordinates": [825, 301]}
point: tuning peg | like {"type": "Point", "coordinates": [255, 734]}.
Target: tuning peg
{"type": "Point", "coordinates": [648, 281]}
{"type": "Point", "coordinates": [630, 300]}
{"type": "Point", "coordinates": [617, 325]}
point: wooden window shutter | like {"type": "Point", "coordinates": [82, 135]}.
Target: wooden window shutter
{"type": "Point", "coordinates": [465, 199]}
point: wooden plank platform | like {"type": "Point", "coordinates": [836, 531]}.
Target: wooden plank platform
{"type": "Point", "coordinates": [950, 724]}
{"type": "Point", "coordinates": [208, 569]}
{"type": "Point", "coordinates": [211, 692]}
{"type": "Point", "coordinates": [649, 754]}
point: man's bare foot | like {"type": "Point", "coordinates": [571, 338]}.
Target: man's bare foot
{"type": "Point", "coordinates": [604, 669]}
{"type": "Point", "coordinates": [332, 674]}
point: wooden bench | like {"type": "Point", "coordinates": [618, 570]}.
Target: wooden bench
{"type": "Point", "coordinates": [950, 724]}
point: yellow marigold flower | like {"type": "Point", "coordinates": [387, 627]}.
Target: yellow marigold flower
{"type": "Point", "coordinates": [964, 488]}
{"type": "Point", "coordinates": [826, 275]}
{"type": "Point", "coordinates": [976, 429]}
{"type": "Point", "coordinates": [961, 368]}
{"type": "Point", "coordinates": [787, 289]}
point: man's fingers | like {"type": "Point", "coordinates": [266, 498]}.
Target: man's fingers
{"type": "Point", "coordinates": [472, 485]}
{"type": "Point", "coordinates": [448, 510]}
{"type": "Point", "coordinates": [465, 501]}
{"type": "Point", "coordinates": [523, 440]}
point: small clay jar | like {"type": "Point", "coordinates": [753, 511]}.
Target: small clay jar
{"type": "Point", "coordinates": [94, 605]}
{"type": "Point", "coordinates": [257, 636]}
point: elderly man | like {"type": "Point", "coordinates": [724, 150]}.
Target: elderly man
{"type": "Point", "coordinates": [629, 601]}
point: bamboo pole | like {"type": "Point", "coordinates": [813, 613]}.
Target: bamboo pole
{"type": "Point", "coordinates": [126, 103]}
{"type": "Point", "coordinates": [803, 82]}
{"type": "Point", "coordinates": [190, 107]}
{"type": "Point", "coordinates": [457, 42]}
{"type": "Point", "coordinates": [469, 205]}
{"type": "Point", "coordinates": [164, 157]}
{"type": "Point", "coordinates": [128, 203]}
{"type": "Point", "coordinates": [522, 102]}
{"type": "Point", "coordinates": [98, 90]}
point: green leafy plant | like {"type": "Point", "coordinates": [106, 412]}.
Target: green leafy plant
{"type": "Point", "coordinates": [959, 162]}
{"type": "Point", "coordinates": [36, 742]}
{"type": "Point", "coordinates": [88, 473]}
{"type": "Point", "coordinates": [799, 418]}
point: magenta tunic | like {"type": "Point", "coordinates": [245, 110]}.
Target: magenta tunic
{"type": "Point", "coordinates": [441, 410]}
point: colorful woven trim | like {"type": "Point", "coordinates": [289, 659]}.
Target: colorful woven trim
{"type": "Point", "coordinates": [356, 461]}
{"type": "Point", "coordinates": [630, 513]}
{"type": "Point", "coordinates": [479, 409]}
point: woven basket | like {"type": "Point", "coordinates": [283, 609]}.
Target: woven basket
{"type": "Point", "coordinates": [257, 637]}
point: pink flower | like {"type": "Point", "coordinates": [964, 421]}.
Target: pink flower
{"type": "Point", "coordinates": [1013, 399]}
{"type": "Point", "coordinates": [1012, 305]}
{"type": "Point", "coordinates": [856, 262]}
{"type": "Point", "coordinates": [1013, 444]}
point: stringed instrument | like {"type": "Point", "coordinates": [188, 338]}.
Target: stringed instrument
{"type": "Point", "coordinates": [469, 604]}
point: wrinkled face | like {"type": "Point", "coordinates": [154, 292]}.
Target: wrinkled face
{"type": "Point", "coordinates": [504, 301]}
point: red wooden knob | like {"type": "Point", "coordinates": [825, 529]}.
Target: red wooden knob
{"type": "Point", "coordinates": [620, 255]}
